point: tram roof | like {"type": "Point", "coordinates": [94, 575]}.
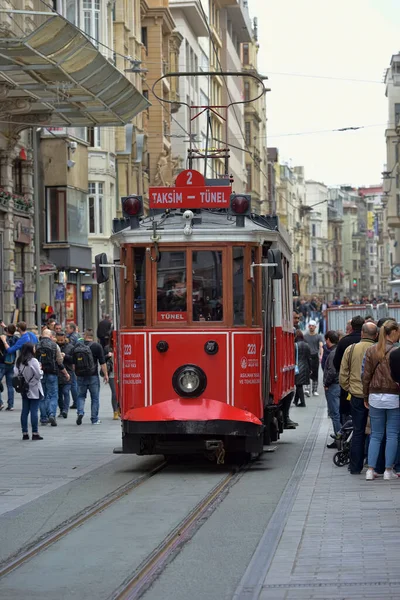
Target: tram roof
{"type": "Point", "coordinates": [208, 226]}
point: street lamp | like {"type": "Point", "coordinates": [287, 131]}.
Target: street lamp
{"type": "Point", "coordinates": [387, 178]}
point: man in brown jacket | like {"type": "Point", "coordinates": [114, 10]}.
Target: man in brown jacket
{"type": "Point", "coordinates": [350, 381]}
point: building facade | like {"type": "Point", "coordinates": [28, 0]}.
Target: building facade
{"type": "Point", "coordinates": [255, 127]}
{"type": "Point", "coordinates": [392, 172]}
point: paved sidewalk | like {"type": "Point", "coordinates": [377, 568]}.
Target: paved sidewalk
{"type": "Point", "coordinates": [342, 536]}
{"type": "Point", "coordinates": [28, 470]}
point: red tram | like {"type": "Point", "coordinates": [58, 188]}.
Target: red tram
{"type": "Point", "coordinates": [205, 350]}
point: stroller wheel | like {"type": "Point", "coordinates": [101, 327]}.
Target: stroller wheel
{"type": "Point", "coordinates": [341, 459]}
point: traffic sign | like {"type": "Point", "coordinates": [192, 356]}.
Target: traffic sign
{"type": "Point", "coordinates": [190, 191]}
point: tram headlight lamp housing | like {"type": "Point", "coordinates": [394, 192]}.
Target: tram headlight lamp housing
{"type": "Point", "coordinates": [189, 381]}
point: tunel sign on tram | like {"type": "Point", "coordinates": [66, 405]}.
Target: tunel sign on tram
{"type": "Point", "coordinates": [190, 191]}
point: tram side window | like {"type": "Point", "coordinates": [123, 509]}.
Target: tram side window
{"type": "Point", "coordinates": [254, 288]}
{"type": "Point", "coordinates": [238, 286]}
{"type": "Point", "coordinates": [171, 286]}
{"type": "Point", "coordinates": [139, 284]}
{"type": "Point", "coordinates": [207, 286]}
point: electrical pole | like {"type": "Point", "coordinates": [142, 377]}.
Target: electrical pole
{"type": "Point", "coordinates": [36, 219]}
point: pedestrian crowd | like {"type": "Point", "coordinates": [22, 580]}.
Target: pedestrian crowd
{"type": "Point", "coordinates": [361, 378]}
{"type": "Point", "coordinates": [50, 369]}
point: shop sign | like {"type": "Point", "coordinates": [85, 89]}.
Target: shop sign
{"type": "Point", "coordinates": [60, 292]}
{"type": "Point", "coordinates": [87, 293]}
{"type": "Point", "coordinates": [22, 231]}
{"type": "Point", "coordinates": [19, 288]}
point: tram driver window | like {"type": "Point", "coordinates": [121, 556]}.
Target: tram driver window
{"type": "Point", "coordinates": [171, 285]}
{"type": "Point", "coordinates": [139, 287]}
{"type": "Point", "coordinates": [238, 286]}
{"type": "Point", "coordinates": [207, 286]}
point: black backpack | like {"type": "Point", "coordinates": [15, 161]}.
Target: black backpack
{"type": "Point", "coordinates": [46, 354]}
{"type": "Point", "coordinates": [83, 360]}
{"type": "Point", "coordinates": [19, 383]}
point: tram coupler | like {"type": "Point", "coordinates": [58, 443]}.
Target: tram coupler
{"type": "Point", "coordinates": [217, 448]}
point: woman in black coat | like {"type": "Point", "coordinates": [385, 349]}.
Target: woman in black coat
{"type": "Point", "coordinates": [303, 362]}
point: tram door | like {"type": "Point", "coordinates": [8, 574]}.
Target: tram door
{"type": "Point", "coordinates": [267, 319]}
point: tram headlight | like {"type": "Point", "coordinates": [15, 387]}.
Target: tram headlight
{"type": "Point", "coordinates": [189, 381]}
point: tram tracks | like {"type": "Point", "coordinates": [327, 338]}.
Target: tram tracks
{"type": "Point", "coordinates": [77, 520]}
{"type": "Point", "coordinates": [153, 565]}
{"type": "Point", "coordinates": [144, 573]}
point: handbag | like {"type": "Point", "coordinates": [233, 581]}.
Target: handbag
{"type": "Point", "coordinates": [296, 366]}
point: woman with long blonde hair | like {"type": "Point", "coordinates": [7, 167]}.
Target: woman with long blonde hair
{"type": "Point", "coordinates": [381, 396]}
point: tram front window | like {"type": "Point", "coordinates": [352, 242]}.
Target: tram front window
{"type": "Point", "coordinates": [171, 286]}
{"type": "Point", "coordinates": [207, 286]}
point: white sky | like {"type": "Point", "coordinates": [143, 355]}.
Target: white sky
{"type": "Point", "coordinates": [352, 39]}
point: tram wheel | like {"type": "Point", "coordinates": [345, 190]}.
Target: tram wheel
{"type": "Point", "coordinates": [341, 459]}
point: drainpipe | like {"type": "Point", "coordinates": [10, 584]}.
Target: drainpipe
{"type": "Point", "coordinates": [36, 219]}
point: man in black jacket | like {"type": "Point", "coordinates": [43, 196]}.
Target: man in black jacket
{"type": "Point", "coordinates": [331, 383]}
{"type": "Point", "coordinates": [352, 338]}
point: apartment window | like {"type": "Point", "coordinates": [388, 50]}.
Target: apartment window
{"type": "Point", "coordinates": [95, 207]}
{"type": "Point", "coordinates": [354, 265]}
{"type": "Point", "coordinates": [372, 279]}
{"type": "Point", "coordinates": [17, 176]}
{"type": "Point", "coordinates": [323, 255]}
{"type": "Point", "coordinates": [354, 246]}
{"type": "Point", "coordinates": [249, 184]}
{"type": "Point", "coordinates": [323, 280]}
{"type": "Point", "coordinates": [246, 56]}
{"type": "Point", "coordinates": [204, 62]}
{"type": "Point", "coordinates": [314, 253]}
{"type": "Point", "coordinates": [314, 279]}
{"type": "Point", "coordinates": [71, 11]}
{"type": "Point", "coordinates": [91, 19]}
{"type": "Point", "coordinates": [246, 91]}
{"type": "Point", "coordinates": [94, 137]}
{"type": "Point", "coordinates": [56, 208]}
{"type": "Point", "coordinates": [371, 262]}
{"type": "Point", "coordinates": [396, 113]}
{"type": "Point", "coordinates": [314, 230]}
{"type": "Point", "coordinates": [144, 37]}
{"type": "Point", "coordinates": [247, 133]}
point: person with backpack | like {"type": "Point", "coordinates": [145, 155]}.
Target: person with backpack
{"type": "Point", "coordinates": [25, 337]}
{"type": "Point", "coordinates": [64, 385]}
{"type": "Point", "coordinates": [87, 355]}
{"type": "Point", "coordinates": [27, 376]}
{"type": "Point", "coordinates": [51, 359]}
{"type": "Point", "coordinates": [7, 361]}
{"type": "Point", "coordinates": [109, 356]}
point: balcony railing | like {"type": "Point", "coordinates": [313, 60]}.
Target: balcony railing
{"type": "Point", "coordinates": [22, 203]}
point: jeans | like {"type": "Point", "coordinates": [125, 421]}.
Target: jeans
{"type": "Point", "coordinates": [384, 419]}
{"type": "Point", "coordinates": [8, 371]}
{"type": "Point", "coordinates": [333, 400]}
{"type": "Point", "coordinates": [74, 388]}
{"type": "Point", "coordinates": [299, 396]}
{"type": "Point", "coordinates": [91, 383]}
{"type": "Point", "coordinates": [114, 402]}
{"type": "Point", "coordinates": [29, 405]}
{"type": "Point", "coordinates": [50, 390]}
{"type": "Point", "coordinates": [359, 415]}
{"type": "Point", "coordinates": [63, 397]}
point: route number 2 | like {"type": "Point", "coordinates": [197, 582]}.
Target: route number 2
{"type": "Point", "coordinates": [251, 349]}
{"type": "Point", "coordinates": [189, 178]}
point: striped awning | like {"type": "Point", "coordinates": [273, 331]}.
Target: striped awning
{"type": "Point", "coordinates": [57, 77]}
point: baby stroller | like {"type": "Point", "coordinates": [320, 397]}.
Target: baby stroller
{"type": "Point", "coordinates": [343, 441]}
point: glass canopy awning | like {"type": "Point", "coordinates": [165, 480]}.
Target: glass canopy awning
{"type": "Point", "coordinates": [56, 76]}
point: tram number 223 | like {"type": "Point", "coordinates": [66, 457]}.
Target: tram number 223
{"type": "Point", "coordinates": [127, 349]}
{"type": "Point", "coordinates": [251, 349]}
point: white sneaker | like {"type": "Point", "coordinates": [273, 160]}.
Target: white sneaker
{"type": "Point", "coordinates": [307, 393]}
{"type": "Point", "coordinates": [370, 475]}
{"type": "Point", "coordinates": [389, 474]}
{"type": "Point", "coordinates": [315, 394]}
{"type": "Point", "coordinates": [98, 422]}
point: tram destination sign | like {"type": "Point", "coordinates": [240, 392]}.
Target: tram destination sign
{"type": "Point", "coordinates": [190, 191]}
